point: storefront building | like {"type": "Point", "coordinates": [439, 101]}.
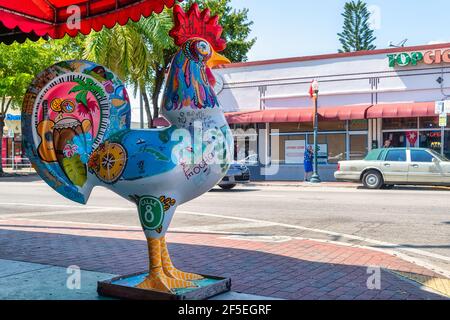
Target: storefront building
{"type": "Point", "coordinates": [12, 140]}
{"type": "Point", "coordinates": [365, 99]}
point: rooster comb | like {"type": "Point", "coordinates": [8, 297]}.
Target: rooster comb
{"type": "Point", "coordinates": [196, 24]}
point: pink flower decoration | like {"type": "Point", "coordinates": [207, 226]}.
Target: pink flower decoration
{"type": "Point", "coordinates": [70, 150]}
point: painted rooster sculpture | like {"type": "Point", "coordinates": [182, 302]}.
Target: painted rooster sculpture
{"type": "Point", "coordinates": [77, 134]}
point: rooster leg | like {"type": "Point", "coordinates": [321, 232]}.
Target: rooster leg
{"type": "Point", "coordinates": [169, 268]}
{"type": "Point", "coordinates": [157, 279]}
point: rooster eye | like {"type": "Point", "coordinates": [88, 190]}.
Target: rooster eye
{"type": "Point", "coordinates": [203, 48]}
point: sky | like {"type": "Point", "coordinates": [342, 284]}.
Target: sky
{"type": "Point", "coordinates": [291, 28]}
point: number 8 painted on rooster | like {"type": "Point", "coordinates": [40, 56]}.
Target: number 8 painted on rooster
{"type": "Point", "coordinates": [151, 212]}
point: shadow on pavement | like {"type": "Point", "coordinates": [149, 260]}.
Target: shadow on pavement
{"type": "Point", "coordinates": [252, 272]}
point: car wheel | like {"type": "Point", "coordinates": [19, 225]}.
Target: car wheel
{"type": "Point", "coordinates": [227, 186]}
{"type": "Point", "coordinates": [373, 180]}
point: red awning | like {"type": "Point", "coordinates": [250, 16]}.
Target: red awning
{"type": "Point", "coordinates": [402, 110]}
{"type": "Point", "coordinates": [267, 116]}
{"type": "Point", "coordinates": [20, 19]}
{"type": "Point", "coordinates": [298, 114]}
{"type": "Point", "coordinates": [344, 112]}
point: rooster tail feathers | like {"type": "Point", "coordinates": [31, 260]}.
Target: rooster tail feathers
{"type": "Point", "coordinates": [69, 111]}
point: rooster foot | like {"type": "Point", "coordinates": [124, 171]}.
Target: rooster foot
{"type": "Point", "coordinates": [160, 282]}
{"type": "Point", "coordinates": [174, 273]}
{"type": "Point", "coordinates": [169, 268]}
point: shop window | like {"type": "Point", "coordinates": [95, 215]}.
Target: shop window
{"type": "Point", "coordinates": [397, 139]}
{"type": "Point", "coordinates": [332, 126]}
{"type": "Point", "coordinates": [447, 144]}
{"type": "Point", "coordinates": [243, 126]}
{"type": "Point", "coordinates": [291, 149]}
{"type": "Point", "coordinates": [429, 123]}
{"type": "Point", "coordinates": [332, 147]}
{"type": "Point", "coordinates": [421, 156]}
{"type": "Point", "coordinates": [292, 127]}
{"type": "Point", "coordinates": [245, 143]}
{"type": "Point", "coordinates": [358, 125]}
{"type": "Point", "coordinates": [358, 147]}
{"type": "Point", "coordinates": [396, 156]}
{"type": "Point", "coordinates": [431, 140]}
{"type": "Point", "coordinates": [400, 123]}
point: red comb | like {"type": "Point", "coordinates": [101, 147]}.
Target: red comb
{"type": "Point", "coordinates": [196, 24]}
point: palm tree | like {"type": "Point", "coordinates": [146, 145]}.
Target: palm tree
{"type": "Point", "coordinates": [132, 52]}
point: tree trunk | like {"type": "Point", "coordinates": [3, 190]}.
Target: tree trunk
{"type": "Point", "coordinates": [147, 108]}
{"type": "Point", "coordinates": [159, 81]}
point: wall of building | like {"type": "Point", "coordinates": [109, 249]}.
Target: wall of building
{"type": "Point", "coordinates": [345, 80]}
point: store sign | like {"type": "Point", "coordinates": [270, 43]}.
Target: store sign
{"type": "Point", "coordinates": [443, 120]}
{"type": "Point", "coordinates": [12, 117]}
{"type": "Point", "coordinates": [430, 57]}
{"type": "Point", "coordinates": [294, 151]}
{"type": "Point", "coordinates": [442, 107]}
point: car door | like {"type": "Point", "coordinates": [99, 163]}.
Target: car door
{"type": "Point", "coordinates": [395, 166]}
{"type": "Point", "coordinates": [425, 168]}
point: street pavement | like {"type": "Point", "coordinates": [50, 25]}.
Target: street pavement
{"type": "Point", "coordinates": [277, 240]}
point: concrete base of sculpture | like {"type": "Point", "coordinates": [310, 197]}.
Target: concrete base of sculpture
{"type": "Point", "coordinates": [124, 287]}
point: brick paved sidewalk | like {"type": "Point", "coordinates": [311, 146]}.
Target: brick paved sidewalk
{"type": "Point", "coordinates": [295, 269]}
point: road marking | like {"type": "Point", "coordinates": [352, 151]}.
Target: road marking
{"type": "Point", "coordinates": [105, 225]}
{"type": "Point", "coordinates": [348, 236]}
{"type": "Point", "coordinates": [437, 284]}
{"type": "Point", "coordinates": [240, 195]}
{"type": "Point", "coordinates": [223, 227]}
{"type": "Point", "coordinates": [55, 213]}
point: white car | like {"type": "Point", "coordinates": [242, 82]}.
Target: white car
{"type": "Point", "coordinates": [396, 166]}
{"type": "Point", "coordinates": [237, 174]}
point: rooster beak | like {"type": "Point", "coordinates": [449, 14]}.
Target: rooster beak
{"type": "Point", "coordinates": [216, 60]}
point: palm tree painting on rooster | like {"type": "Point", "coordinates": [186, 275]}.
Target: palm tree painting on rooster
{"type": "Point", "coordinates": [77, 135]}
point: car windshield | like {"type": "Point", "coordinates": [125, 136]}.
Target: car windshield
{"type": "Point", "coordinates": [439, 156]}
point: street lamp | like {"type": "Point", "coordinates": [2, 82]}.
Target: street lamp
{"type": "Point", "coordinates": [315, 86]}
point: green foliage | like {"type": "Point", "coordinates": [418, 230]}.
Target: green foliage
{"type": "Point", "coordinates": [84, 87]}
{"type": "Point", "coordinates": [357, 34]}
{"type": "Point", "coordinates": [236, 27]}
{"type": "Point", "coordinates": [20, 63]}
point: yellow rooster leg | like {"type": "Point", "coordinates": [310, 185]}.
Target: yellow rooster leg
{"type": "Point", "coordinates": [157, 279]}
{"type": "Point", "coordinates": [169, 268]}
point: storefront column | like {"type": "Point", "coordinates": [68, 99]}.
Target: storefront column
{"type": "Point", "coordinates": [375, 135]}
{"type": "Point", "coordinates": [347, 141]}
{"type": "Point", "coordinates": [264, 145]}
{"type": "Point", "coordinates": [379, 132]}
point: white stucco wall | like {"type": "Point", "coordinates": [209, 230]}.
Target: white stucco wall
{"type": "Point", "coordinates": [343, 81]}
